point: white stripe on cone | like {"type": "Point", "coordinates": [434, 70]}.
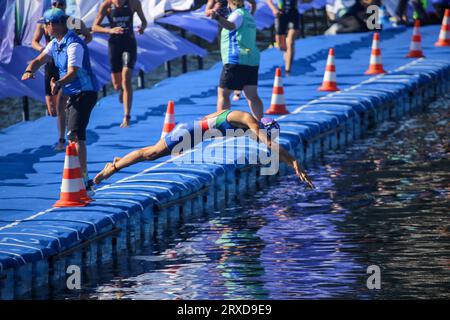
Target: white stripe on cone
{"type": "Point", "coordinates": [170, 118]}
{"type": "Point", "coordinates": [375, 44]}
{"type": "Point", "coordinates": [329, 76]}
{"type": "Point", "coordinates": [375, 59]}
{"type": "Point", "coordinates": [444, 34]}
{"type": "Point", "coordinates": [71, 185]}
{"type": "Point", "coordinates": [278, 98]}
{"type": "Point", "coordinates": [71, 162]}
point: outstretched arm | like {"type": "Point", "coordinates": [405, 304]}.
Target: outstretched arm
{"type": "Point", "coordinates": [34, 65]}
{"type": "Point", "coordinates": [285, 156]}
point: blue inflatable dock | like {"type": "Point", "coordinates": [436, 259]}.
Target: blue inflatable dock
{"type": "Point", "coordinates": [136, 206]}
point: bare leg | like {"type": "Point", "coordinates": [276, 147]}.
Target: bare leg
{"type": "Point", "coordinates": [51, 102]}
{"type": "Point", "coordinates": [82, 155]}
{"type": "Point", "coordinates": [117, 84]}
{"type": "Point", "coordinates": [281, 41]}
{"type": "Point", "coordinates": [61, 112]}
{"type": "Point", "coordinates": [145, 154]}
{"type": "Point", "coordinates": [127, 96]}
{"type": "Point", "coordinates": [289, 55]}
{"type": "Point", "coordinates": [116, 79]}
{"type": "Point", "coordinates": [253, 100]}
{"type": "Point", "coordinates": [223, 99]}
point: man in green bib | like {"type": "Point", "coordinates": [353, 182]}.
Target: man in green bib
{"type": "Point", "coordinates": [240, 57]}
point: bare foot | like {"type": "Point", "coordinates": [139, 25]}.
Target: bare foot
{"type": "Point", "coordinates": [125, 122]}
{"type": "Point", "coordinates": [107, 172]}
{"type": "Point", "coordinates": [61, 145]}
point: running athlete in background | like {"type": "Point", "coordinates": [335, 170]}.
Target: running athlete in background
{"type": "Point", "coordinates": [286, 28]}
{"type": "Point", "coordinates": [221, 7]}
{"type": "Point", "coordinates": [122, 46]}
{"type": "Point", "coordinates": [56, 104]}
{"type": "Point", "coordinates": [184, 134]}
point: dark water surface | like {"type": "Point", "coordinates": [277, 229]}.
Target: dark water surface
{"type": "Point", "coordinates": [383, 201]}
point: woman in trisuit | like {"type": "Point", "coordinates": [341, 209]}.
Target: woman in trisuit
{"type": "Point", "coordinates": [222, 121]}
{"type": "Point", "coordinates": [122, 46]}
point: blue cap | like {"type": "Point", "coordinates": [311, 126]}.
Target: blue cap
{"type": "Point", "coordinates": [54, 15]}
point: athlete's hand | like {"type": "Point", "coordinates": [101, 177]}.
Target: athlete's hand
{"type": "Point", "coordinates": [276, 13]}
{"type": "Point", "coordinates": [116, 30]}
{"type": "Point", "coordinates": [141, 29]}
{"type": "Point", "coordinates": [27, 75]}
{"type": "Point", "coordinates": [303, 176]}
{"type": "Point", "coordinates": [209, 12]}
{"type": "Point", "coordinates": [55, 86]}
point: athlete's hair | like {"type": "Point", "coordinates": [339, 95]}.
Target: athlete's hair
{"type": "Point", "coordinates": [238, 3]}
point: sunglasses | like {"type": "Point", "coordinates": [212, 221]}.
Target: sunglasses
{"type": "Point", "coordinates": [51, 22]}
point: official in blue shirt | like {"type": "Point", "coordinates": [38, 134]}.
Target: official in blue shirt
{"type": "Point", "coordinates": [76, 79]}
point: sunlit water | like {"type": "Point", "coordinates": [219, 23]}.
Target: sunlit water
{"type": "Point", "coordinates": [383, 201]}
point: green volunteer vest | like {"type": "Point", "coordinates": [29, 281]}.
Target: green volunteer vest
{"type": "Point", "coordinates": [239, 46]}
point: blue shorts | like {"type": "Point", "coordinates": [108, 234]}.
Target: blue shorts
{"type": "Point", "coordinates": [181, 132]}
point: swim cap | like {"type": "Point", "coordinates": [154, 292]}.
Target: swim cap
{"type": "Point", "coordinates": [270, 124]}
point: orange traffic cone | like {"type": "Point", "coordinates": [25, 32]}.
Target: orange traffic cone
{"type": "Point", "coordinates": [72, 183]}
{"type": "Point", "coordinates": [444, 35]}
{"type": "Point", "coordinates": [375, 67]}
{"type": "Point", "coordinates": [278, 103]}
{"type": "Point", "coordinates": [329, 78]}
{"type": "Point", "coordinates": [415, 49]}
{"type": "Point", "coordinates": [169, 121]}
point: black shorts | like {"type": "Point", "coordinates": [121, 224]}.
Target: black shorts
{"type": "Point", "coordinates": [79, 108]}
{"type": "Point", "coordinates": [51, 71]}
{"type": "Point", "coordinates": [122, 52]}
{"type": "Point", "coordinates": [286, 21]}
{"type": "Point", "coordinates": [237, 76]}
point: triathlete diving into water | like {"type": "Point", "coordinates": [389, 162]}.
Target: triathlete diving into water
{"type": "Point", "coordinates": [222, 121]}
